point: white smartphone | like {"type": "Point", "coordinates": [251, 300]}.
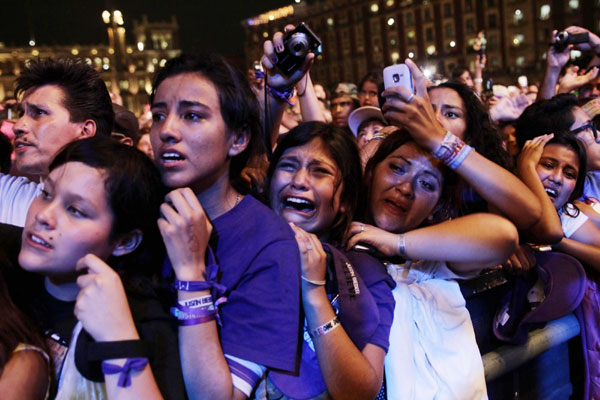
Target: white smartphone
{"type": "Point", "coordinates": [398, 75]}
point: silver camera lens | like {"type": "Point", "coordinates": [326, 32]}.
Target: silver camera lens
{"type": "Point", "coordinates": [562, 36]}
{"type": "Point", "coordinates": [298, 44]}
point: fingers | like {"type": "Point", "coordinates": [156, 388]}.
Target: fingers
{"type": "Point", "coordinates": [278, 42]}
{"type": "Point", "coordinates": [269, 58]}
{"type": "Point", "coordinates": [184, 204]}
{"type": "Point", "coordinates": [395, 94]}
{"type": "Point", "coordinates": [592, 74]}
{"type": "Point", "coordinates": [93, 264]}
{"type": "Point", "coordinates": [419, 78]}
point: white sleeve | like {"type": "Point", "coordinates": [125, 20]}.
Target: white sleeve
{"type": "Point", "coordinates": [244, 374]}
{"type": "Point", "coordinates": [570, 225]}
{"type": "Point", "coordinates": [16, 194]}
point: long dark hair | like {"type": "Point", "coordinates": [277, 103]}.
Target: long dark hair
{"type": "Point", "coordinates": [447, 204]}
{"type": "Point", "coordinates": [15, 327]}
{"type": "Point", "coordinates": [342, 148]}
{"type": "Point", "coordinates": [480, 133]}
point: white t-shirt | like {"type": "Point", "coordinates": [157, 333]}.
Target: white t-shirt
{"type": "Point", "coordinates": [16, 194]}
{"type": "Point", "coordinates": [571, 224]}
{"type": "Point", "coordinates": [433, 353]}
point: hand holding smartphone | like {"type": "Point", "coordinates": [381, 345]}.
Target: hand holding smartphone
{"type": "Point", "coordinates": [398, 75]}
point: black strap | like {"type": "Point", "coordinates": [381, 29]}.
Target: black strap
{"type": "Point", "coordinates": [97, 351]}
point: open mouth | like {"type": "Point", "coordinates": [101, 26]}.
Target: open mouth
{"type": "Point", "coordinates": [38, 240]}
{"type": "Point", "coordinates": [298, 204]}
{"type": "Point", "coordinates": [171, 156]}
{"type": "Point", "coordinates": [394, 207]}
{"type": "Point", "coordinates": [552, 193]}
{"type": "Point", "coordinates": [21, 144]}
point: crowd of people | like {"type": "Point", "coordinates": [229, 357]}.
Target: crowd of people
{"type": "Point", "coordinates": [249, 237]}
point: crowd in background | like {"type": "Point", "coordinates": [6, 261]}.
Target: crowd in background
{"type": "Point", "coordinates": [270, 240]}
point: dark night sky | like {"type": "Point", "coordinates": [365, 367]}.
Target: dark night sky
{"type": "Point", "coordinates": [212, 25]}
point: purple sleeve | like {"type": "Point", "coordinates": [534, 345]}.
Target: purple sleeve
{"type": "Point", "coordinates": [382, 293]}
{"type": "Point", "coordinates": [380, 284]}
{"type": "Point", "coordinates": [261, 319]}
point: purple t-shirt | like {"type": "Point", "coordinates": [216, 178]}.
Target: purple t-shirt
{"type": "Point", "coordinates": [380, 284]}
{"type": "Point", "coordinates": [260, 265]}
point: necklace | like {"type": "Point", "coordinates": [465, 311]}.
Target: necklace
{"type": "Point", "coordinates": [237, 200]}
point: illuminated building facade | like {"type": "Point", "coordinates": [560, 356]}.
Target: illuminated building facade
{"type": "Point", "coordinates": [127, 68]}
{"type": "Point", "coordinates": [363, 35]}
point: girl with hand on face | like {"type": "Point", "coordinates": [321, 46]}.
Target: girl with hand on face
{"type": "Point", "coordinates": [451, 124]}
{"type": "Point", "coordinates": [87, 254]}
{"type": "Point", "coordinates": [433, 353]}
{"type": "Point", "coordinates": [235, 262]}
{"type": "Point", "coordinates": [314, 182]}
{"type": "Point", "coordinates": [554, 167]}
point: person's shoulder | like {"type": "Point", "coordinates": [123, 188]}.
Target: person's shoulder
{"type": "Point", "coordinates": [13, 181]}
{"type": "Point", "coordinates": [253, 216]}
{"type": "Point", "coordinates": [369, 268]}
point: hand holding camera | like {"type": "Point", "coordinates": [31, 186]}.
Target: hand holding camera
{"type": "Point", "coordinates": [289, 55]}
{"type": "Point", "coordinates": [563, 41]}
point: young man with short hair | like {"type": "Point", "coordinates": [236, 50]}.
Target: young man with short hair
{"type": "Point", "coordinates": [61, 101]}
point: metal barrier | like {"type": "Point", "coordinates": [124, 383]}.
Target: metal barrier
{"type": "Point", "coordinates": [508, 357]}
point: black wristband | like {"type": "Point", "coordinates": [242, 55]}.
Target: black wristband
{"type": "Point", "coordinates": [98, 351]}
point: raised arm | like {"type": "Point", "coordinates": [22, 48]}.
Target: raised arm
{"type": "Point", "coordinates": [548, 226]}
{"type": "Point", "coordinates": [584, 244]}
{"type": "Point", "coordinates": [496, 185]}
{"type": "Point", "coordinates": [555, 61]}
{"type": "Point", "coordinates": [468, 243]}
{"type": "Point", "coordinates": [185, 230]}
{"type": "Point", "coordinates": [112, 322]}
{"type": "Point", "coordinates": [278, 85]}
{"type": "Point", "coordinates": [348, 373]}
{"type": "Point", "coordinates": [478, 76]}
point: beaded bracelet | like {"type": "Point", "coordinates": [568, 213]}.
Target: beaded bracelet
{"type": "Point", "coordinates": [325, 328]}
{"type": "Point", "coordinates": [132, 364]}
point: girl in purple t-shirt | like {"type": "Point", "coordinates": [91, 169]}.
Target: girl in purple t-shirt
{"type": "Point", "coordinates": [206, 127]}
{"type": "Point", "coordinates": [315, 183]}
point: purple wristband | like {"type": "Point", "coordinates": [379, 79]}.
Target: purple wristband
{"type": "Point", "coordinates": [132, 364]}
{"type": "Point", "coordinates": [198, 320]}
{"type": "Point", "coordinates": [192, 286]}
{"type": "Point", "coordinates": [283, 95]}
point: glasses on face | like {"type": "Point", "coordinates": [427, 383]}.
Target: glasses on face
{"type": "Point", "coordinates": [590, 125]}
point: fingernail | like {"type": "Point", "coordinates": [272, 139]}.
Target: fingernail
{"type": "Point", "coordinates": [280, 48]}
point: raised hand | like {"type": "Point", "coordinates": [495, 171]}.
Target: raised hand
{"type": "Point", "coordinates": [532, 152]}
{"type": "Point", "coordinates": [312, 256]}
{"type": "Point", "coordinates": [385, 242]}
{"type": "Point", "coordinates": [272, 50]}
{"type": "Point", "coordinates": [185, 229]}
{"type": "Point", "coordinates": [101, 305]}
{"type": "Point", "coordinates": [414, 111]}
